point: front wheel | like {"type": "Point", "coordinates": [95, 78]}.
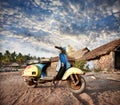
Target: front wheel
{"type": "Point", "coordinates": [76, 83]}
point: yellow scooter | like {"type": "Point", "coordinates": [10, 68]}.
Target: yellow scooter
{"type": "Point", "coordinates": [34, 74]}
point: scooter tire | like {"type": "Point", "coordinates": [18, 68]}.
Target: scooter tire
{"type": "Point", "coordinates": [30, 83]}
{"type": "Point", "coordinates": [77, 89]}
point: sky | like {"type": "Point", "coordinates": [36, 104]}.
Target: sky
{"type": "Point", "coordinates": [35, 26]}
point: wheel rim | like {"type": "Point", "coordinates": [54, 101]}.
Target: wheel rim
{"type": "Point", "coordinates": [75, 87]}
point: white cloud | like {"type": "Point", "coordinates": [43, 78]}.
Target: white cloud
{"type": "Point", "coordinates": [37, 2]}
{"type": "Point", "coordinates": [43, 45]}
{"type": "Point", "coordinates": [74, 8]}
{"type": "Point", "coordinates": [26, 45]}
{"type": "Point", "coordinates": [56, 3]}
{"type": "Point", "coordinates": [116, 7]}
{"type": "Point", "coordinates": [103, 38]}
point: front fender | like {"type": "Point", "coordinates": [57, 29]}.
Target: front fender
{"type": "Point", "coordinates": [72, 70]}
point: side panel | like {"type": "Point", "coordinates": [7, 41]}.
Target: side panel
{"type": "Point", "coordinates": [41, 68]}
{"type": "Point", "coordinates": [72, 70]}
{"type": "Point", "coordinates": [32, 70]}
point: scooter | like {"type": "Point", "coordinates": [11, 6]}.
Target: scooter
{"type": "Point", "coordinates": [36, 73]}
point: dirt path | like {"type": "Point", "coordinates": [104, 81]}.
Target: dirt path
{"type": "Point", "coordinates": [13, 91]}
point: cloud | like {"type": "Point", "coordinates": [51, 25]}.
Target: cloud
{"type": "Point", "coordinates": [36, 27]}
{"type": "Point", "coordinates": [26, 45]}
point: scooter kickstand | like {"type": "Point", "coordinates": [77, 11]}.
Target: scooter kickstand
{"type": "Point", "coordinates": [54, 84]}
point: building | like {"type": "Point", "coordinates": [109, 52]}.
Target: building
{"type": "Point", "coordinates": [78, 54]}
{"type": "Point", "coordinates": [105, 57]}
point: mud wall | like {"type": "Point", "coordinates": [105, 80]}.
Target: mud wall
{"type": "Point", "coordinates": [105, 62]}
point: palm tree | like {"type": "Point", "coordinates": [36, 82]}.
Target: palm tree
{"type": "Point", "coordinates": [1, 57]}
{"type": "Point", "coordinates": [6, 58]}
{"type": "Point", "coordinates": [19, 58]}
{"type": "Point", "coordinates": [13, 56]}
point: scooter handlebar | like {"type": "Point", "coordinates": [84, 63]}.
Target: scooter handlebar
{"type": "Point", "coordinates": [61, 49]}
{"type": "Point", "coordinates": [57, 47]}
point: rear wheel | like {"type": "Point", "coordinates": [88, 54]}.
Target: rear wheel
{"type": "Point", "coordinates": [30, 82]}
{"type": "Point", "coordinates": [76, 83]}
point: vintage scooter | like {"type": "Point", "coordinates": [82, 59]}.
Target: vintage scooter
{"type": "Point", "coordinates": [36, 73]}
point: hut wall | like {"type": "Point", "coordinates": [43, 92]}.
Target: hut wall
{"type": "Point", "coordinates": [106, 62]}
{"type": "Point", "coordinates": [96, 66]}
{"type": "Point", "coordinates": [92, 64]}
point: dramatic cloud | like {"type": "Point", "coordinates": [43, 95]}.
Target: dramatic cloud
{"type": "Point", "coordinates": [36, 26]}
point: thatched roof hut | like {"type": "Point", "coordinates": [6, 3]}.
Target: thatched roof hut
{"type": "Point", "coordinates": [14, 65]}
{"type": "Point", "coordinates": [102, 50]}
{"type": "Point", "coordinates": [78, 54]}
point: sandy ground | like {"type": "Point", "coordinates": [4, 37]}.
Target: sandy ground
{"type": "Point", "coordinates": [104, 89]}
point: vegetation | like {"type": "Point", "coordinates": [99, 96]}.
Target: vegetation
{"type": "Point", "coordinates": [8, 58]}
{"type": "Point", "coordinates": [80, 64]}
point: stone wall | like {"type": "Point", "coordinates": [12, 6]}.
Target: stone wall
{"type": "Point", "coordinates": [105, 62]}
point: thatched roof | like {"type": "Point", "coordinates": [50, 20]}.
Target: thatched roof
{"type": "Point", "coordinates": [14, 65]}
{"type": "Point", "coordinates": [102, 50]}
{"type": "Point", "coordinates": [78, 54]}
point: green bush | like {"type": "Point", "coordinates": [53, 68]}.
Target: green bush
{"type": "Point", "coordinates": [80, 64]}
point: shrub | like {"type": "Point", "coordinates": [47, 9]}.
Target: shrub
{"type": "Point", "coordinates": [80, 64]}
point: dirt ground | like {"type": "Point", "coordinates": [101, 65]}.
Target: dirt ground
{"type": "Point", "coordinates": [101, 89]}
